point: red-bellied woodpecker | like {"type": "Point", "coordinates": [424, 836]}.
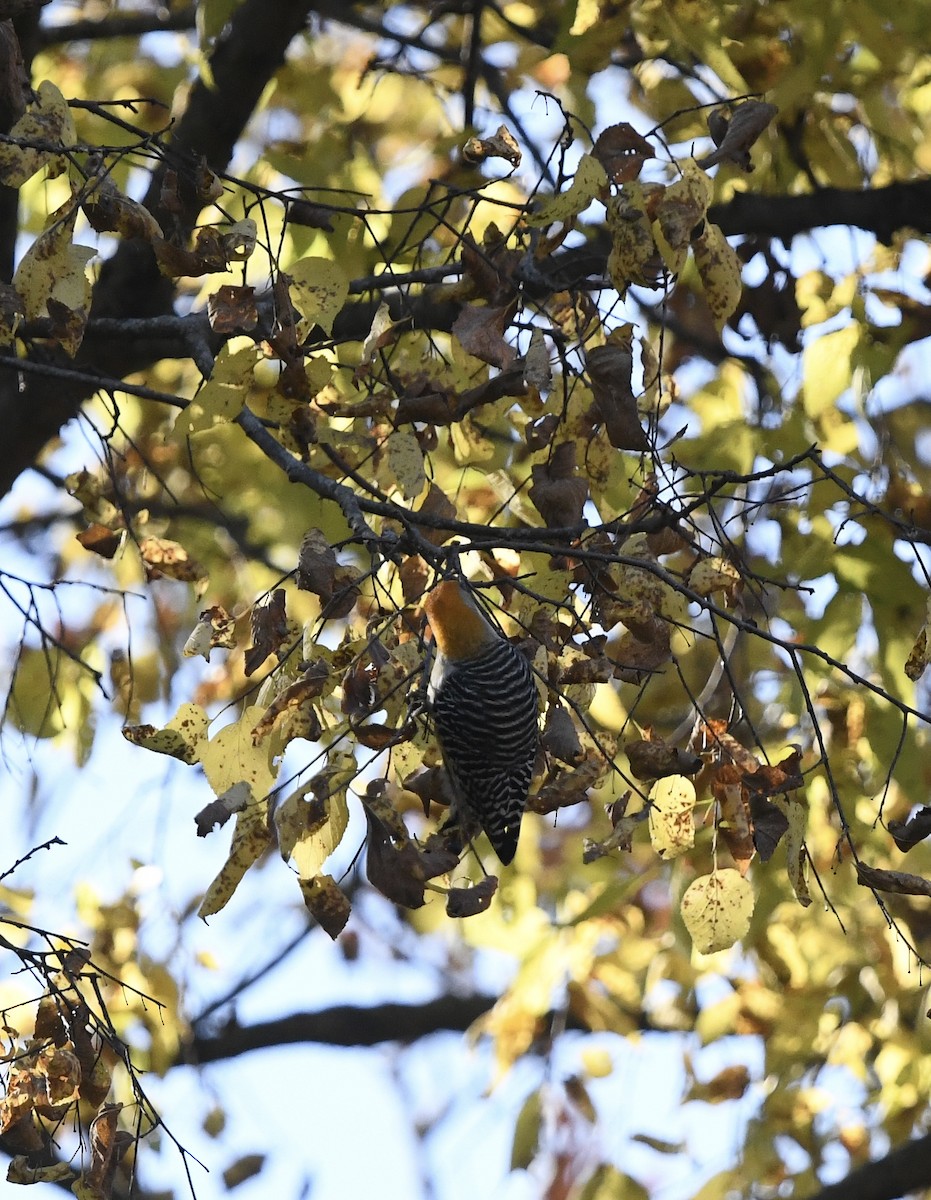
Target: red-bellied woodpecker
{"type": "Point", "coordinates": [484, 705]}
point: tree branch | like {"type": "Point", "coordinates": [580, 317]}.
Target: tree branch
{"type": "Point", "coordinates": [905, 1169]}
{"type": "Point", "coordinates": [883, 211]}
{"type": "Point", "coordinates": [342, 1025]}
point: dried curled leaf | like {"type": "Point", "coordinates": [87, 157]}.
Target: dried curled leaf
{"type": "Point", "coordinates": [215, 628]}
{"type": "Point", "coordinates": [468, 901]}
{"type": "Point", "coordinates": [897, 882]}
{"type": "Point", "coordinates": [734, 133]}
{"type": "Point", "coordinates": [269, 630]}
{"type": "Point", "coordinates": [907, 834]}
{"type": "Point", "coordinates": [501, 145]}
{"type": "Point", "coordinates": [609, 368]}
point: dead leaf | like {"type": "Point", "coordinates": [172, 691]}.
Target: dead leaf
{"type": "Point", "coordinates": [295, 704]}
{"type": "Point", "coordinates": [480, 331]}
{"type": "Point", "coordinates": [558, 492]}
{"type": "Point", "coordinates": [231, 309]}
{"type": "Point", "coordinates": [501, 145]}
{"type": "Point", "coordinates": [269, 630]}
{"type": "Point", "coordinates": [734, 132]}
{"type": "Point", "coordinates": [560, 737]}
{"type": "Point", "coordinates": [215, 628]}
{"type": "Point", "coordinates": [769, 825]}
{"type": "Point", "coordinates": [162, 556]}
{"type": "Point", "coordinates": [392, 861]}
{"type": "Point", "coordinates": [909, 833]}
{"type": "Point", "coordinates": [651, 757]}
{"type": "Point", "coordinates": [897, 882]}
{"type": "Point", "coordinates": [622, 151]}
{"type": "Point", "coordinates": [99, 540]}
{"type": "Point", "coordinates": [609, 369]}
{"type": "Point", "coordinates": [468, 901]}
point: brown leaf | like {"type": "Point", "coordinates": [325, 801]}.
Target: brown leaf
{"type": "Point", "coordinates": [326, 904]}
{"type": "Point", "coordinates": [231, 309]}
{"type": "Point", "coordinates": [560, 737]}
{"type": "Point", "coordinates": [609, 369]}
{"type": "Point", "coordinates": [414, 573]}
{"type": "Point", "coordinates": [467, 901]}
{"type": "Point", "coordinates": [558, 493]}
{"type": "Point", "coordinates": [247, 1166]}
{"type": "Point", "coordinates": [99, 540]}
{"type": "Point", "coordinates": [109, 211]}
{"type": "Point", "coordinates": [215, 628]}
{"type": "Point", "coordinates": [897, 882]}
{"type": "Point", "coordinates": [734, 825]}
{"type": "Point", "coordinates": [500, 145]}
{"type": "Point", "coordinates": [785, 776]}
{"type": "Point", "coordinates": [269, 630]}
{"type": "Point", "coordinates": [909, 833]}
{"type": "Point", "coordinates": [652, 758]}
{"type": "Point", "coordinates": [213, 250]}
{"type": "Point", "coordinates": [480, 331]}
{"type": "Point", "coordinates": [622, 151]}
{"type": "Point", "coordinates": [108, 1145]}
{"type": "Point", "coordinates": [316, 564]}
{"type": "Point", "coordinates": [164, 557]}
{"type": "Point", "coordinates": [392, 861]}
{"type": "Point", "coordinates": [735, 132]}
{"type": "Point", "coordinates": [769, 825]}
{"type": "Point", "coordinates": [731, 1083]}
{"type": "Point", "coordinates": [212, 816]}
{"type": "Point", "coordinates": [641, 653]}
{"type": "Point", "coordinates": [715, 739]}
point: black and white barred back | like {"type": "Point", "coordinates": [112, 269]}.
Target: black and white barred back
{"type": "Point", "coordinates": [485, 710]}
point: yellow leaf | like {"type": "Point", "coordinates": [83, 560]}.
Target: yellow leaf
{"type": "Point", "coordinates": [53, 269]}
{"type": "Point", "coordinates": [826, 368]}
{"type": "Point", "coordinates": [717, 909]}
{"type": "Point", "coordinates": [682, 207]}
{"type": "Point", "coordinates": [48, 120]}
{"type": "Point", "coordinates": [714, 575]}
{"type": "Point", "coordinates": [310, 830]}
{"type": "Point", "coordinates": [405, 461]}
{"type": "Point", "coordinates": [221, 398]}
{"type": "Point", "coordinates": [719, 269]}
{"type": "Point", "coordinates": [319, 289]}
{"type": "Point", "coordinates": [589, 182]}
{"type": "Point", "coordinates": [672, 826]}
{"type": "Point", "coordinates": [183, 736]}
{"type": "Point", "coordinates": [250, 839]}
{"type": "Point", "coordinates": [634, 257]}
{"type": "Point", "coordinates": [232, 757]}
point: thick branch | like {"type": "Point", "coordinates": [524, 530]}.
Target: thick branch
{"type": "Point", "coordinates": [343, 1025]}
{"type": "Point", "coordinates": [905, 1169]}
{"type": "Point", "coordinates": [883, 211]}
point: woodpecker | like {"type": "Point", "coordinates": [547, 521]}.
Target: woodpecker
{"type": "Point", "coordinates": [484, 704]}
